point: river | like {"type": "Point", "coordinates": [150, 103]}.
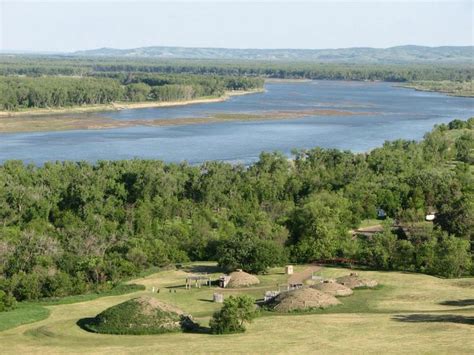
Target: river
{"type": "Point", "coordinates": [380, 112]}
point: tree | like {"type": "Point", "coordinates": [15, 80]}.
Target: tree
{"type": "Point", "coordinates": [249, 254]}
{"type": "Point", "coordinates": [7, 302]}
{"type": "Point", "coordinates": [452, 256]}
{"type": "Point", "coordinates": [464, 146]}
{"type": "Point", "coordinates": [378, 250]}
{"type": "Point", "coordinates": [320, 226]}
{"type": "Point", "coordinates": [235, 312]}
{"type": "Point", "coordinates": [138, 92]}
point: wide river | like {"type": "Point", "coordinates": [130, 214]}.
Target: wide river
{"type": "Point", "coordinates": [382, 112]}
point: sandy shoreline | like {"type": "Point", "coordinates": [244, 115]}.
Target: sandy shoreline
{"type": "Point", "coordinates": [424, 89]}
{"type": "Point", "coordinates": [116, 106]}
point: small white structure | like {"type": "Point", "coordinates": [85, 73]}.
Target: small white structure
{"type": "Point", "coordinates": [430, 216]}
{"type": "Point", "coordinates": [289, 270]}
{"type": "Point", "coordinates": [224, 280]}
{"type": "Point", "coordinates": [269, 295]}
{"type": "Point", "coordinates": [218, 297]}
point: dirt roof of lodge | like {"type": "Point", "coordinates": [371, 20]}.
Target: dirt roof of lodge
{"type": "Point", "coordinates": [354, 281]}
{"type": "Point", "coordinates": [242, 279]}
{"type": "Point", "coordinates": [303, 299]}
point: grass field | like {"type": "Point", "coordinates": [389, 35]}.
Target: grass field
{"type": "Point", "coordinates": [408, 313]}
{"type": "Point", "coordinates": [23, 314]}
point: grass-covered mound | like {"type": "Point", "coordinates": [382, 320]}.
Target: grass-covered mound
{"type": "Point", "coordinates": [142, 315]}
{"type": "Point", "coordinates": [301, 300]}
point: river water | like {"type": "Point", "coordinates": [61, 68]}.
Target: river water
{"type": "Point", "coordinates": [381, 112]}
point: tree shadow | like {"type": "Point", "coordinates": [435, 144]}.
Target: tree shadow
{"type": "Point", "coordinates": [459, 303]}
{"type": "Point", "coordinates": [434, 318]}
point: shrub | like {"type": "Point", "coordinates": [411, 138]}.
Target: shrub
{"type": "Point", "coordinates": [235, 312]}
{"type": "Point", "coordinates": [7, 302]}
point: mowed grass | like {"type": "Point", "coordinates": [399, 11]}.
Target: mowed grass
{"type": "Point", "coordinates": [23, 314]}
{"type": "Point", "coordinates": [408, 313]}
{"type": "Point", "coordinates": [29, 312]}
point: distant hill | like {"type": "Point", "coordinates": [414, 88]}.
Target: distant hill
{"type": "Point", "coordinates": [400, 54]}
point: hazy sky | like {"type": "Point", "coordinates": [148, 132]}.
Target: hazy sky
{"type": "Point", "coordinates": [70, 25]}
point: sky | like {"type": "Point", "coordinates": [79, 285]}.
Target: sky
{"type": "Point", "coordinates": [70, 25]}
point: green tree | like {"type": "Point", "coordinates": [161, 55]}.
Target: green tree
{"type": "Point", "coordinates": [320, 226]}
{"type": "Point", "coordinates": [464, 147]}
{"type": "Point", "coordinates": [452, 256]}
{"type": "Point", "coordinates": [234, 314]}
{"type": "Point", "coordinates": [138, 92]}
{"type": "Point", "coordinates": [7, 302]}
{"type": "Point", "coordinates": [249, 254]}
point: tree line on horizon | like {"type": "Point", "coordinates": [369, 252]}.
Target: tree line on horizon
{"type": "Point", "coordinates": [74, 66]}
{"type": "Point", "coordinates": [76, 227]}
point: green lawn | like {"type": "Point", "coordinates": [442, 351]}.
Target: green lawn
{"type": "Point", "coordinates": [408, 313]}
{"type": "Point", "coordinates": [23, 314]}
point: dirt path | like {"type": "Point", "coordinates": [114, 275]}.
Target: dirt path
{"type": "Point", "coordinates": [301, 277]}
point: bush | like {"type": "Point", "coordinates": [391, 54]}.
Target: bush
{"type": "Point", "coordinates": [7, 302]}
{"type": "Point", "coordinates": [233, 315]}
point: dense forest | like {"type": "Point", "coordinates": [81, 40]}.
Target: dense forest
{"type": "Point", "coordinates": [74, 66]}
{"type": "Point", "coordinates": [58, 91]}
{"type": "Point", "coordinates": [50, 82]}
{"type": "Point", "coordinates": [69, 228]}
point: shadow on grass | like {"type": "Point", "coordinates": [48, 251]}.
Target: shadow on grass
{"type": "Point", "coordinates": [459, 303]}
{"type": "Point", "coordinates": [176, 286]}
{"type": "Point", "coordinates": [434, 318]}
{"type": "Point", "coordinates": [199, 330]}
{"type": "Point", "coordinates": [84, 322]}
{"type": "Point", "coordinates": [205, 300]}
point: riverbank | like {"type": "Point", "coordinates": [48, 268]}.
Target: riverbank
{"type": "Point", "coordinates": [116, 106]}
{"type": "Point", "coordinates": [451, 88]}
